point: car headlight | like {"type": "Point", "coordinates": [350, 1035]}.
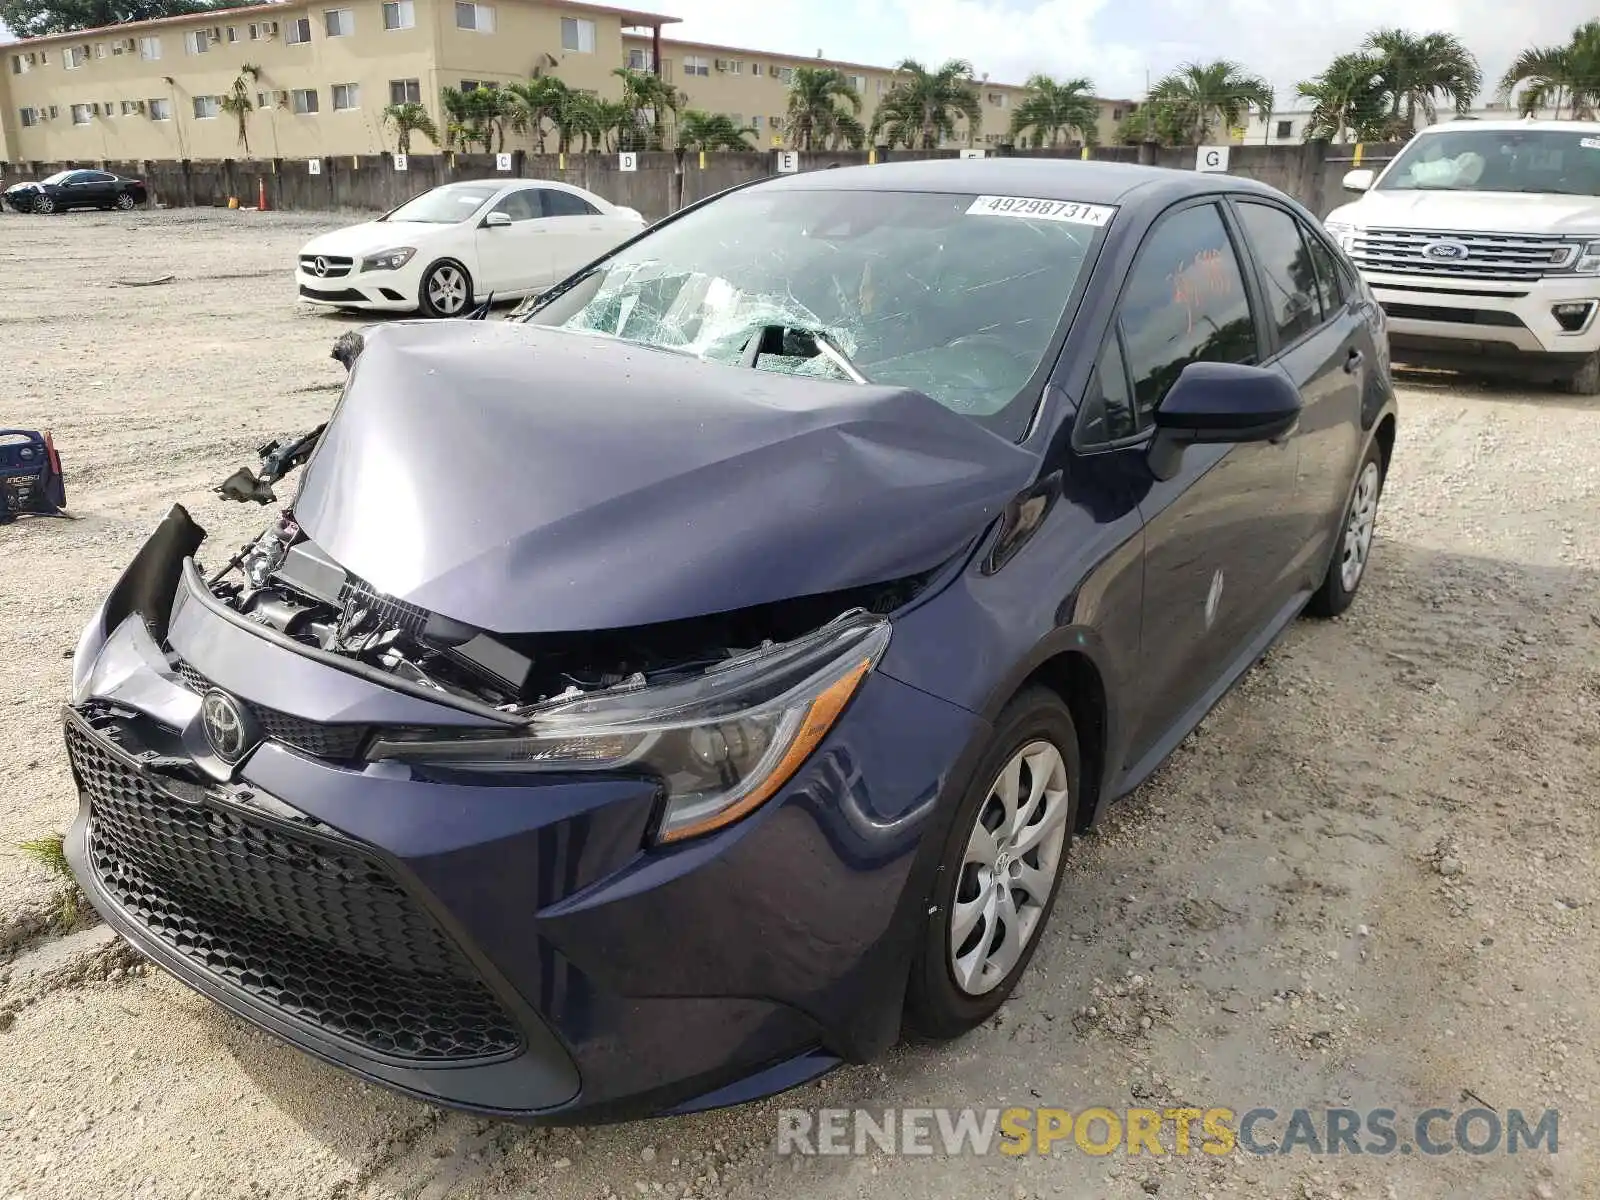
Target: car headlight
{"type": "Point", "coordinates": [720, 744]}
{"type": "Point", "coordinates": [1588, 260]}
{"type": "Point", "coordinates": [388, 260]}
{"type": "Point", "coordinates": [1342, 233]}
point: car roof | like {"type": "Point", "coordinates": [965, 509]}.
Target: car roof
{"type": "Point", "coordinates": [1083, 181]}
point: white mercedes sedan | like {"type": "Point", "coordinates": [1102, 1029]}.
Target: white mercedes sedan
{"type": "Point", "coordinates": [449, 248]}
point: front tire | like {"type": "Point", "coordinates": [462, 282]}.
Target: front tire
{"type": "Point", "coordinates": [1585, 381]}
{"type": "Point", "coordinates": [1002, 866]}
{"type": "Point", "coordinates": [1353, 551]}
{"type": "Point", "coordinates": [446, 289]}
{"type": "Point", "coordinates": [45, 205]}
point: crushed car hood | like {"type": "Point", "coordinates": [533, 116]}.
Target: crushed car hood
{"type": "Point", "coordinates": [526, 480]}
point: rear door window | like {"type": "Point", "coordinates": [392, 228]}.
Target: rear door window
{"type": "Point", "coordinates": [1293, 298]}
{"type": "Point", "coordinates": [565, 204]}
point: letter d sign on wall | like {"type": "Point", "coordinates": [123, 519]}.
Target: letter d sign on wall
{"type": "Point", "coordinates": [1211, 158]}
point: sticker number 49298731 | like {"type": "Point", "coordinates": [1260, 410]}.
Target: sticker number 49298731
{"type": "Point", "coordinates": [1042, 210]}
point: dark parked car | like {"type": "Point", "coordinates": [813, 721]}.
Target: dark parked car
{"type": "Point", "coordinates": [76, 189]}
{"type": "Point", "coordinates": [649, 703]}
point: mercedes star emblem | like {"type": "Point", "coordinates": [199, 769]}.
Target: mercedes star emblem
{"type": "Point", "coordinates": [320, 267]}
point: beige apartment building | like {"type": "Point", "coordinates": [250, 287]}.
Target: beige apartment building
{"type": "Point", "coordinates": [321, 74]}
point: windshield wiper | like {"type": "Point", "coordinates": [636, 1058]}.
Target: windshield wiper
{"type": "Point", "coordinates": [770, 339]}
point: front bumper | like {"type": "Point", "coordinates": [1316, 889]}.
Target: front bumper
{"type": "Point", "coordinates": [572, 972]}
{"type": "Point", "coordinates": [384, 291]}
{"type": "Point", "coordinates": [1491, 320]}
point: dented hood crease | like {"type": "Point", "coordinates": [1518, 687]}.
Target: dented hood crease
{"type": "Point", "coordinates": [526, 480]}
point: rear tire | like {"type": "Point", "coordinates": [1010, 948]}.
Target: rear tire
{"type": "Point", "coordinates": [1352, 552]}
{"type": "Point", "coordinates": [1001, 868]}
{"type": "Point", "coordinates": [125, 201]}
{"type": "Point", "coordinates": [1585, 381]}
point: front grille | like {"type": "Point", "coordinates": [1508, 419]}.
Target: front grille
{"type": "Point", "coordinates": [333, 265]}
{"type": "Point", "coordinates": [317, 738]}
{"type": "Point", "coordinates": [308, 925]}
{"type": "Point", "coordinates": [1521, 257]}
{"type": "Point", "coordinates": [350, 295]}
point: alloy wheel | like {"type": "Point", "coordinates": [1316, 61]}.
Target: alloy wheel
{"type": "Point", "coordinates": [1009, 868]}
{"type": "Point", "coordinates": [44, 204]}
{"type": "Point", "coordinates": [1358, 528]}
{"type": "Point", "coordinates": [124, 201]}
{"type": "Point", "coordinates": [447, 290]}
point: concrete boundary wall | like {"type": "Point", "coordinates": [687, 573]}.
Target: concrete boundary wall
{"type": "Point", "coordinates": [661, 183]}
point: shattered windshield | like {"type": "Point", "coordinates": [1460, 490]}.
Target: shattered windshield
{"type": "Point", "coordinates": [1499, 160]}
{"type": "Point", "coordinates": [445, 205]}
{"type": "Point", "coordinates": [956, 296]}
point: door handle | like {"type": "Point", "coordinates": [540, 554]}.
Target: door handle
{"type": "Point", "coordinates": [1352, 364]}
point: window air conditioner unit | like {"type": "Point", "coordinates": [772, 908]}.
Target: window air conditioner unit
{"type": "Point", "coordinates": [280, 98]}
{"type": "Point", "coordinates": [139, 104]}
{"type": "Point", "coordinates": [116, 47]}
{"type": "Point", "coordinates": [133, 44]}
{"type": "Point", "coordinates": [272, 29]}
{"type": "Point", "coordinates": [722, 64]}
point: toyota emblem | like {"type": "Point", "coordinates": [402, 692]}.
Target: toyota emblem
{"type": "Point", "coordinates": [1446, 251]}
{"type": "Point", "coordinates": [320, 266]}
{"type": "Point", "coordinates": [226, 726]}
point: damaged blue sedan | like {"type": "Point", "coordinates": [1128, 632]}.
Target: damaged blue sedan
{"type": "Point", "coordinates": [653, 700]}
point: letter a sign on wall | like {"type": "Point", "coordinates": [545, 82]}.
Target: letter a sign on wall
{"type": "Point", "coordinates": [1211, 158]}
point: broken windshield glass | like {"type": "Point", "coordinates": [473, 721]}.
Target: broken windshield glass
{"type": "Point", "coordinates": [957, 296]}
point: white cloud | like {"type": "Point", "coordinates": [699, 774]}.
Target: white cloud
{"type": "Point", "coordinates": [1116, 42]}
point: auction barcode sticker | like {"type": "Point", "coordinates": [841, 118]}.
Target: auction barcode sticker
{"type": "Point", "coordinates": [1042, 210]}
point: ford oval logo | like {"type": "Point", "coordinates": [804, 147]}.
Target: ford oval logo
{"type": "Point", "coordinates": [1446, 251]}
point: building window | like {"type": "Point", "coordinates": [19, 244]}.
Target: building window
{"type": "Point", "coordinates": [755, 123]}
{"type": "Point", "coordinates": [206, 107]}
{"type": "Point", "coordinates": [197, 41]}
{"type": "Point", "coordinates": [74, 57]}
{"type": "Point", "coordinates": [577, 35]}
{"type": "Point", "coordinates": [469, 85]}
{"type": "Point", "coordinates": [131, 107]}
{"type": "Point", "coordinates": [1285, 129]}
{"type": "Point", "coordinates": [734, 67]}
{"type": "Point", "coordinates": [339, 22]}
{"type": "Point", "coordinates": [399, 14]}
{"type": "Point", "coordinates": [784, 74]}
{"type": "Point", "coordinates": [755, 68]}
{"type": "Point", "coordinates": [297, 32]}
{"type": "Point", "coordinates": [405, 91]}
{"type": "Point", "coordinates": [233, 33]}
{"type": "Point", "coordinates": [20, 66]}
{"type": "Point", "coordinates": [859, 82]}
{"type": "Point", "coordinates": [776, 123]}
{"type": "Point", "coordinates": [998, 99]}
{"type": "Point", "coordinates": [694, 65]}
{"type": "Point", "coordinates": [303, 101]}
{"type": "Point", "coordinates": [638, 60]}
{"type": "Point", "coordinates": [99, 49]}
{"type": "Point", "coordinates": [346, 95]}
{"type": "Point", "coordinates": [30, 117]}
{"type": "Point", "coordinates": [160, 110]}
{"type": "Point", "coordinates": [477, 17]}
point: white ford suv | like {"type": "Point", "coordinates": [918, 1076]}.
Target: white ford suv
{"type": "Point", "coordinates": [1481, 240]}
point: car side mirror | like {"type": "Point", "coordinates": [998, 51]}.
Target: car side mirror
{"type": "Point", "coordinates": [1359, 180]}
{"type": "Point", "coordinates": [1216, 402]}
{"type": "Point", "coordinates": [497, 220]}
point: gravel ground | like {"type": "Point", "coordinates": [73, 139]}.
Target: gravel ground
{"type": "Point", "coordinates": [1368, 880]}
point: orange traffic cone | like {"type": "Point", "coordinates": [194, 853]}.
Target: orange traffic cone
{"type": "Point", "coordinates": [261, 204]}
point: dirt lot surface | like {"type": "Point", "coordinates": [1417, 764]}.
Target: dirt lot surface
{"type": "Point", "coordinates": [1369, 880]}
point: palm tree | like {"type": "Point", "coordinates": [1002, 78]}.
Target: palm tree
{"type": "Point", "coordinates": [1347, 99]}
{"type": "Point", "coordinates": [1151, 123]}
{"type": "Point", "coordinates": [457, 118]}
{"type": "Point", "coordinates": [238, 104]}
{"type": "Point", "coordinates": [1557, 76]}
{"type": "Point", "coordinates": [1416, 68]}
{"type": "Point", "coordinates": [539, 100]}
{"type": "Point", "coordinates": [649, 98]}
{"type": "Point", "coordinates": [407, 119]}
{"type": "Point", "coordinates": [699, 130]}
{"type": "Point", "coordinates": [1054, 111]}
{"type": "Point", "coordinates": [823, 109]}
{"type": "Point", "coordinates": [1202, 97]}
{"type": "Point", "coordinates": [923, 106]}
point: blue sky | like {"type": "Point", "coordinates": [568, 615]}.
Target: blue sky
{"type": "Point", "coordinates": [1117, 44]}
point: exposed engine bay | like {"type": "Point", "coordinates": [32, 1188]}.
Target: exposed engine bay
{"type": "Point", "coordinates": [283, 581]}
